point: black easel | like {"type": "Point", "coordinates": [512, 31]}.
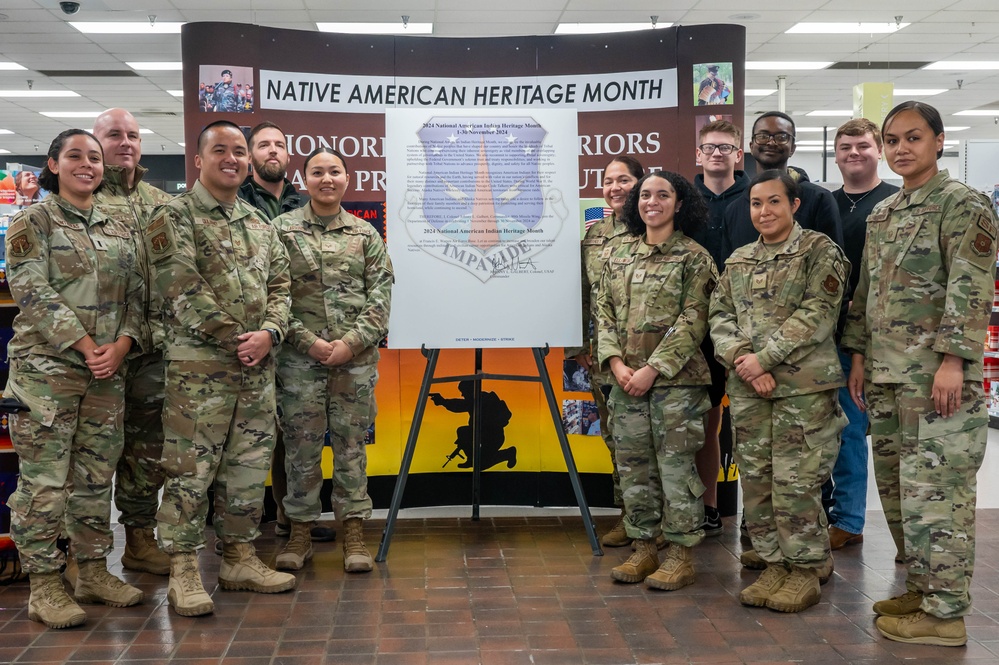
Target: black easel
{"type": "Point", "coordinates": [478, 376]}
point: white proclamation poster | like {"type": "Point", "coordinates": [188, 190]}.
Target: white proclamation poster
{"type": "Point", "coordinates": [481, 209]}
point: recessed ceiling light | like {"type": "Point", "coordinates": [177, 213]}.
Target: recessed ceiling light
{"type": "Point", "coordinates": [964, 64]}
{"type": "Point", "coordinates": [10, 67]}
{"type": "Point", "coordinates": [37, 93]}
{"type": "Point", "coordinates": [176, 93]}
{"type": "Point", "coordinates": [596, 28]}
{"type": "Point", "coordinates": [919, 92]}
{"type": "Point", "coordinates": [983, 112]}
{"type": "Point", "coordinates": [814, 28]}
{"type": "Point", "coordinates": [70, 114]}
{"type": "Point", "coordinates": [758, 92]}
{"type": "Point", "coordinates": [785, 66]}
{"type": "Point", "coordinates": [127, 27]}
{"type": "Point", "coordinates": [393, 28]}
{"type": "Point", "coordinates": [157, 66]}
{"type": "Point", "coordinates": [841, 113]}
{"type": "Point", "coordinates": [743, 17]}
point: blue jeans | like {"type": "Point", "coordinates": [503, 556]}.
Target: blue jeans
{"type": "Point", "coordinates": [848, 486]}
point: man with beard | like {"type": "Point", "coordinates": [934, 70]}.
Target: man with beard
{"type": "Point", "coordinates": [267, 188]}
{"type": "Point", "coordinates": [772, 144]}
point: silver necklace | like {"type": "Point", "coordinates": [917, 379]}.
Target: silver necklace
{"type": "Point", "coordinates": [853, 204]}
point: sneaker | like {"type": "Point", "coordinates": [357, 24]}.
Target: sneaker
{"type": "Point", "coordinates": [923, 628]}
{"type": "Point", "coordinates": [899, 606]}
{"type": "Point", "coordinates": [712, 522]}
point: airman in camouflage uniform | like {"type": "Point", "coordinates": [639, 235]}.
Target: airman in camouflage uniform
{"type": "Point", "coordinates": [781, 302]}
{"type": "Point", "coordinates": [652, 310]}
{"type": "Point", "coordinates": [74, 276]}
{"type": "Point", "coordinates": [222, 274]}
{"type": "Point", "coordinates": [341, 287]}
{"type": "Point", "coordinates": [925, 292]}
{"type": "Point", "coordinates": [139, 477]}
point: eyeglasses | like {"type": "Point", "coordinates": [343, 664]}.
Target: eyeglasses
{"type": "Point", "coordinates": [780, 138]}
{"type": "Point", "coordinates": [723, 148]}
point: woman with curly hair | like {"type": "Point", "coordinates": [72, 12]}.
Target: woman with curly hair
{"type": "Point", "coordinates": [652, 314]}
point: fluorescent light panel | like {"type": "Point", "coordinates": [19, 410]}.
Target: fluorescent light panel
{"type": "Point", "coordinates": [964, 64]}
{"type": "Point", "coordinates": [127, 27]}
{"type": "Point", "coordinates": [785, 66]}
{"type": "Point", "coordinates": [758, 92]}
{"type": "Point", "coordinates": [5, 131]}
{"type": "Point", "coordinates": [176, 93]}
{"type": "Point", "coordinates": [70, 114]}
{"type": "Point", "coordinates": [143, 130]}
{"type": "Point", "coordinates": [10, 94]}
{"type": "Point", "coordinates": [4, 152]}
{"type": "Point", "coordinates": [981, 112]}
{"type": "Point", "coordinates": [11, 67]}
{"type": "Point", "coordinates": [842, 113]}
{"type": "Point", "coordinates": [813, 28]}
{"type": "Point", "coordinates": [394, 28]}
{"type": "Point", "coordinates": [919, 92]}
{"type": "Point", "coordinates": [956, 128]}
{"type": "Point", "coordinates": [597, 28]}
{"type": "Point", "coordinates": [156, 66]}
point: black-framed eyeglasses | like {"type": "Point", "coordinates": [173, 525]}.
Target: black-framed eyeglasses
{"type": "Point", "coordinates": [780, 138]}
{"type": "Point", "coordinates": [723, 148]}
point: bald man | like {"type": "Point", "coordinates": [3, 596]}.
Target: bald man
{"type": "Point", "coordinates": [138, 478]}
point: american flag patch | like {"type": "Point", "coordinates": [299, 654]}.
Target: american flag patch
{"type": "Point", "coordinates": [595, 214]}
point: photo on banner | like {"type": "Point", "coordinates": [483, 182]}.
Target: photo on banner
{"type": "Point", "coordinates": [713, 84]}
{"type": "Point", "coordinates": [225, 89]}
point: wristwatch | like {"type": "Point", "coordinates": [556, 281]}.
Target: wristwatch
{"type": "Point", "coordinates": [275, 337]}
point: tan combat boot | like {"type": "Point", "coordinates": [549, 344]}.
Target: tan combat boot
{"type": "Point", "coordinates": [767, 584]}
{"type": "Point", "coordinates": [50, 604]}
{"type": "Point", "coordinates": [72, 572]}
{"type": "Point", "coordinates": [186, 594]}
{"type": "Point", "coordinates": [142, 554]}
{"type": "Point", "coordinates": [676, 572]}
{"type": "Point", "coordinates": [241, 570]}
{"type": "Point", "coordinates": [617, 536]}
{"type": "Point", "coordinates": [640, 565]}
{"type": "Point", "coordinates": [299, 547]}
{"type": "Point", "coordinates": [356, 558]}
{"type": "Point", "coordinates": [96, 585]}
{"type": "Point", "coordinates": [922, 628]}
{"type": "Point", "coordinates": [799, 591]}
{"type": "Point", "coordinates": [899, 606]}
{"type": "Point", "coordinates": [750, 559]}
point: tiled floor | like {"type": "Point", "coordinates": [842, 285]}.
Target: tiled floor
{"type": "Point", "coordinates": [508, 591]}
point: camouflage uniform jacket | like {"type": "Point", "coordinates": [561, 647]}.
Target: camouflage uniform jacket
{"type": "Point", "coordinates": [71, 276]}
{"type": "Point", "coordinates": [652, 308]}
{"type": "Point", "coordinates": [218, 276]}
{"type": "Point", "coordinates": [133, 208]}
{"type": "Point", "coordinates": [926, 285]}
{"type": "Point", "coordinates": [595, 250]}
{"type": "Point", "coordinates": [782, 303]}
{"type": "Point", "coordinates": [341, 282]}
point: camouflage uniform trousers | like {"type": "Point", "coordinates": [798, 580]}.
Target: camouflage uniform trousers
{"type": "Point", "coordinates": [139, 475]}
{"type": "Point", "coordinates": [786, 449]}
{"type": "Point", "coordinates": [315, 398]}
{"type": "Point", "coordinates": [598, 379]}
{"type": "Point", "coordinates": [656, 437]}
{"type": "Point", "coordinates": [926, 469]}
{"type": "Point", "coordinates": [219, 421]}
{"type": "Point", "coordinates": [67, 449]}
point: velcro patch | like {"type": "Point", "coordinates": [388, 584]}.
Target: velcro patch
{"type": "Point", "coordinates": [19, 246]}
{"type": "Point", "coordinates": [982, 245]}
{"type": "Point", "coordinates": [985, 223]}
{"type": "Point", "coordinates": [160, 242]}
{"type": "Point", "coordinates": [830, 284]}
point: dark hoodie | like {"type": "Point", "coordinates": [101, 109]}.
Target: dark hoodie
{"type": "Point", "coordinates": [710, 236]}
{"type": "Point", "coordinates": [264, 201]}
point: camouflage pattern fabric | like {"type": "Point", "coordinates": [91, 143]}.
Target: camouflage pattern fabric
{"type": "Point", "coordinates": [656, 437]}
{"type": "Point", "coordinates": [139, 477]}
{"type": "Point", "coordinates": [926, 469]}
{"type": "Point", "coordinates": [786, 449]}
{"type": "Point", "coordinates": [652, 309]}
{"type": "Point", "coordinates": [926, 289]}
{"type": "Point", "coordinates": [781, 303]}
{"type": "Point", "coordinates": [596, 248]}
{"type": "Point", "coordinates": [73, 274]}
{"type": "Point", "coordinates": [341, 289]}
{"type": "Point", "coordinates": [219, 276]}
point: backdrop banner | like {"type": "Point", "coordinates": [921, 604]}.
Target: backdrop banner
{"type": "Point", "coordinates": [580, 100]}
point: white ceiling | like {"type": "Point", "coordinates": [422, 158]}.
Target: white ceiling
{"type": "Point", "coordinates": [35, 34]}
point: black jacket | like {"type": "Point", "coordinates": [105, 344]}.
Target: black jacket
{"type": "Point", "coordinates": [710, 237]}
{"type": "Point", "coordinates": [264, 201]}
